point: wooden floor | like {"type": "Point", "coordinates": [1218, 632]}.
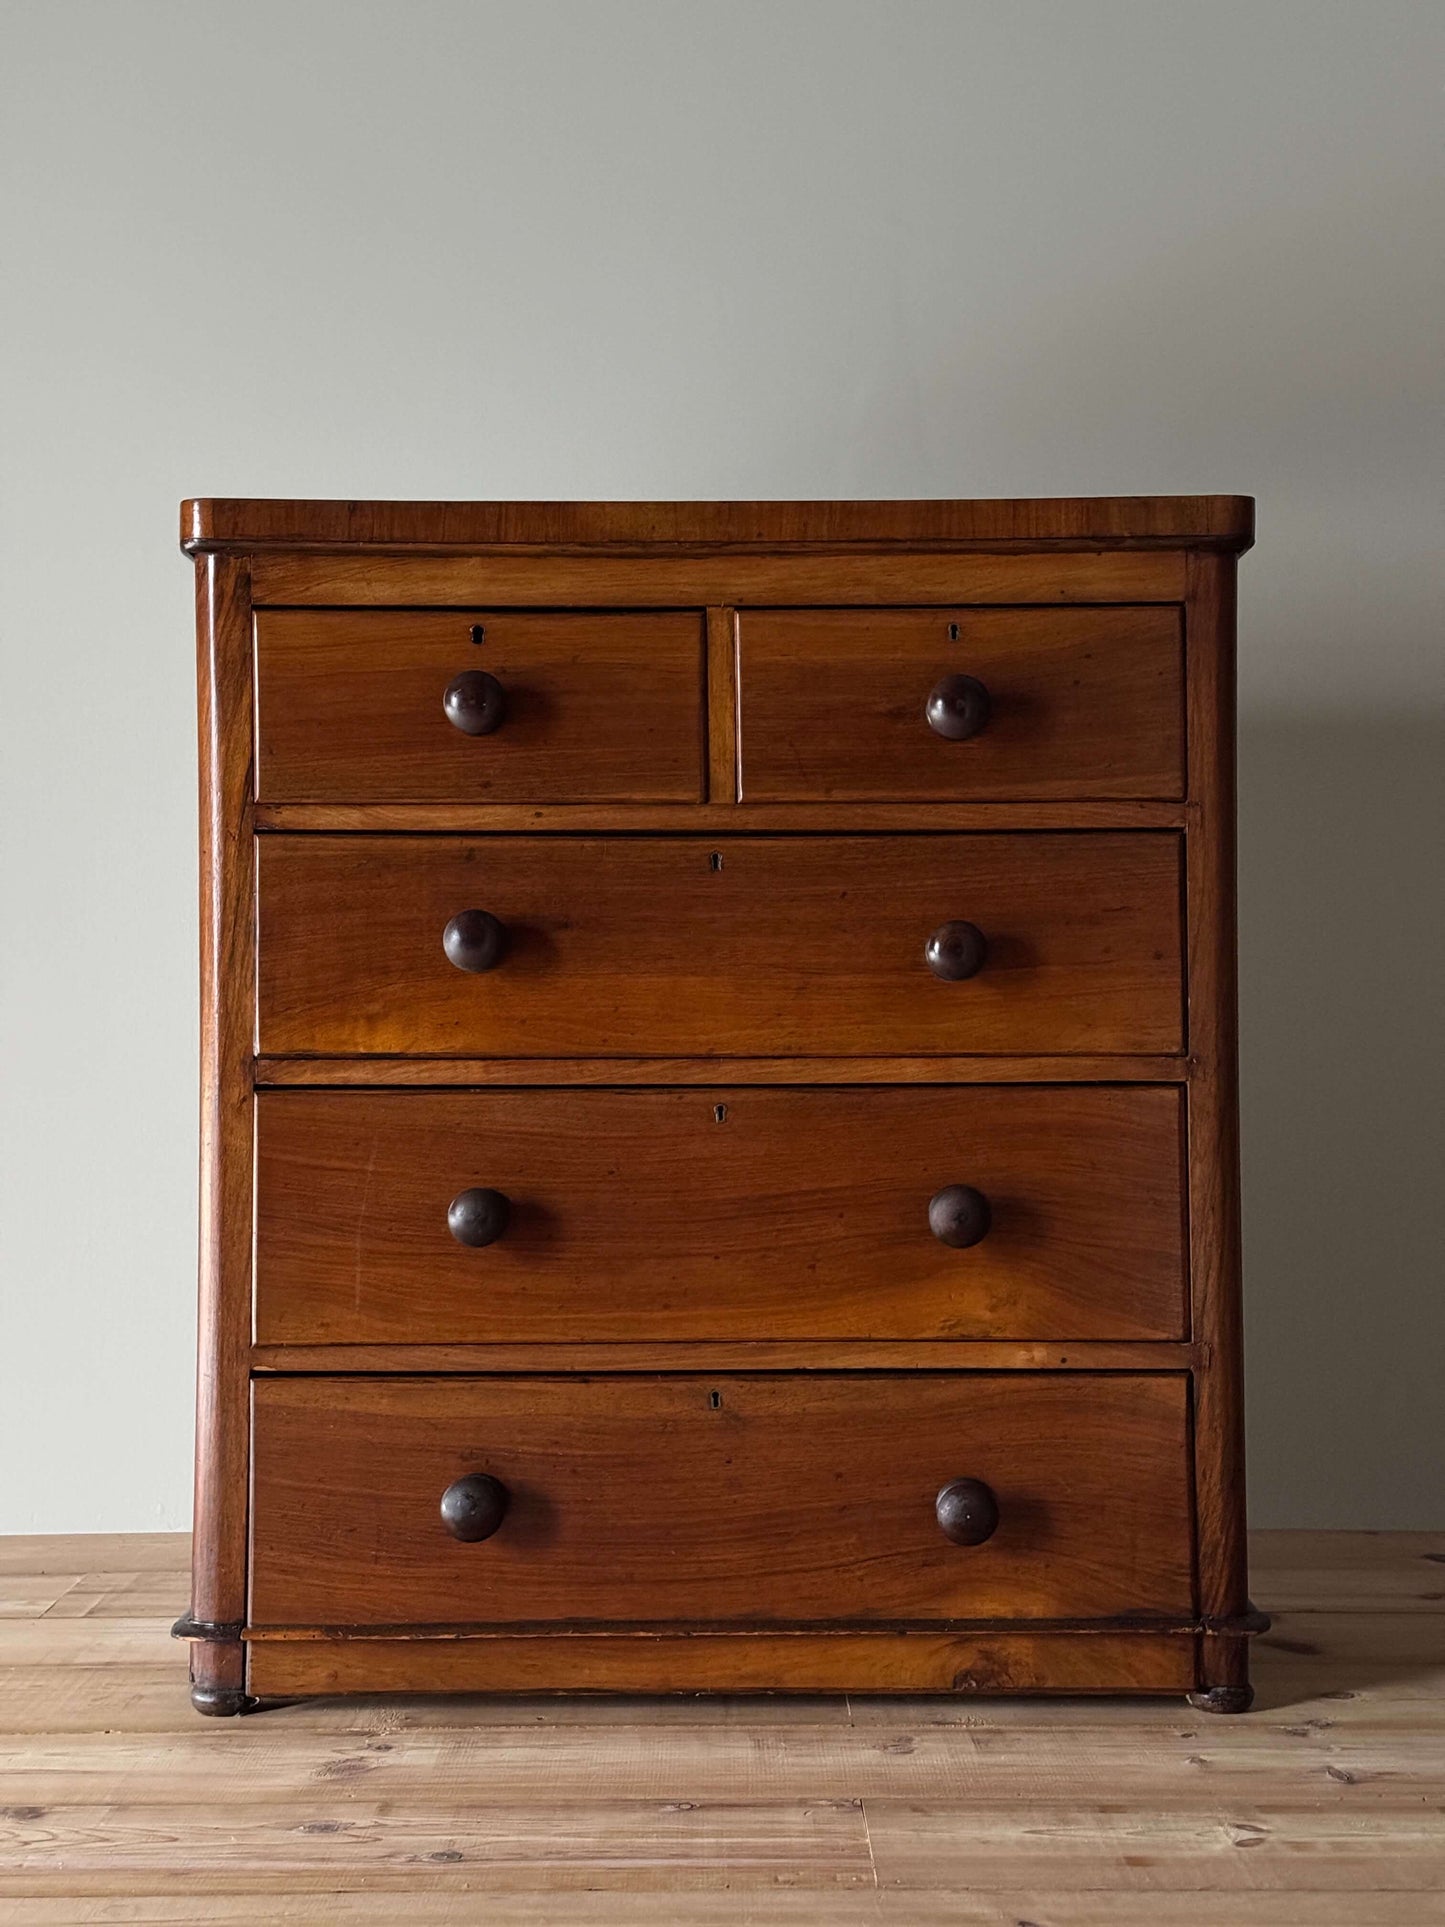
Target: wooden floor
{"type": "Point", "coordinates": [1323, 1808]}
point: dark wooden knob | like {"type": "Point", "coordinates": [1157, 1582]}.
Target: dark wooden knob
{"type": "Point", "coordinates": [958, 1216]}
{"type": "Point", "coordinates": [473, 1507]}
{"type": "Point", "coordinates": [475, 940]}
{"type": "Point", "coordinates": [475, 702]}
{"type": "Point", "coordinates": [955, 951]}
{"type": "Point", "coordinates": [958, 707]}
{"type": "Point", "coordinates": [478, 1217]}
{"type": "Point", "coordinates": [967, 1512]}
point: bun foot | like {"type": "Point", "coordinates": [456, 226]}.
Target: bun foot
{"type": "Point", "coordinates": [1223, 1699]}
{"type": "Point", "coordinates": [221, 1702]}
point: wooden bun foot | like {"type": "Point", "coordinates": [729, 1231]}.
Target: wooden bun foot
{"type": "Point", "coordinates": [221, 1702]}
{"type": "Point", "coordinates": [1223, 1699]}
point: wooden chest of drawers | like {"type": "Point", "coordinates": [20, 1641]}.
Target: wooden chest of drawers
{"type": "Point", "coordinates": [719, 1099]}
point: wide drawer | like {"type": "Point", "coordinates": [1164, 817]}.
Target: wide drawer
{"type": "Point", "coordinates": [1057, 703]}
{"type": "Point", "coordinates": [486, 1216]}
{"type": "Point", "coordinates": [733, 1499]}
{"type": "Point", "coordinates": [377, 705]}
{"type": "Point", "coordinates": [795, 945]}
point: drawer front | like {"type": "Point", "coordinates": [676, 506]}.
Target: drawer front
{"type": "Point", "coordinates": [723, 1214]}
{"type": "Point", "coordinates": [664, 946]}
{"type": "Point", "coordinates": [726, 1499]}
{"type": "Point", "coordinates": [353, 706]}
{"type": "Point", "coordinates": [1085, 703]}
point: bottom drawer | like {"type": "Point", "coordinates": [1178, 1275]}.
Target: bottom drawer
{"type": "Point", "coordinates": [742, 1499]}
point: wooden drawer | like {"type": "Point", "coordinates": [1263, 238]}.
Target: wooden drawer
{"type": "Point", "coordinates": [596, 708]}
{"type": "Point", "coordinates": [661, 946]}
{"type": "Point", "coordinates": [732, 1499]}
{"type": "Point", "coordinates": [718, 1214]}
{"type": "Point", "coordinates": [1083, 703]}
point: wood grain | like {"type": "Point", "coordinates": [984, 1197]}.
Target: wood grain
{"type": "Point", "coordinates": [798, 945]}
{"type": "Point", "coordinates": [673, 578]}
{"type": "Point", "coordinates": [722, 709]}
{"type": "Point", "coordinates": [725, 1213]}
{"type": "Point", "coordinates": [424, 1072]}
{"type": "Point", "coordinates": [1215, 1258]}
{"type": "Point", "coordinates": [1006, 1661]}
{"type": "Point", "coordinates": [117, 1805]}
{"type": "Point", "coordinates": [1083, 703]}
{"type": "Point", "coordinates": [725, 816]}
{"type": "Point", "coordinates": [227, 1005]}
{"type": "Point", "coordinates": [1090, 521]}
{"type": "Point", "coordinates": [744, 1500]}
{"type": "Point", "coordinates": [599, 707]}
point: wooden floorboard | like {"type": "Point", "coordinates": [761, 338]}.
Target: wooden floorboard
{"type": "Point", "coordinates": [1323, 1808]}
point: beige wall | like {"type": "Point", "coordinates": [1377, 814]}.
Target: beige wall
{"type": "Point", "coordinates": [439, 248]}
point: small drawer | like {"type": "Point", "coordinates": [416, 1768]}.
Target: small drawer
{"type": "Point", "coordinates": [482, 1217]}
{"type": "Point", "coordinates": [907, 705]}
{"type": "Point", "coordinates": [826, 1498]}
{"type": "Point", "coordinates": [556, 946]}
{"type": "Point", "coordinates": [478, 706]}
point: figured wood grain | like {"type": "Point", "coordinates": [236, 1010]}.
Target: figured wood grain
{"type": "Point", "coordinates": [1083, 703]}
{"type": "Point", "coordinates": [773, 983]}
{"type": "Point", "coordinates": [599, 707]}
{"type": "Point", "coordinates": [679, 579]}
{"type": "Point", "coordinates": [740, 1355]}
{"type": "Point", "coordinates": [722, 707]}
{"type": "Point", "coordinates": [744, 1500]}
{"type": "Point", "coordinates": [227, 1017]}
{"type": "Point", "coordinates": [1090, 521]}
{"type": "Point", "coordinates": [798, 945]}
{"type": "Point", "coordinates": [721, 1213]}
{"type": "Point", "coordinates": [997, 1662]}
{"type": "Point", "coordinates": [423, 1072]}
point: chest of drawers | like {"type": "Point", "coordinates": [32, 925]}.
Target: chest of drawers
{"type": "Point", "coordinates": [719, 1145]}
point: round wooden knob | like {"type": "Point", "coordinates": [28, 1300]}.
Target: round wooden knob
{"type": "Point", "coordinates": [475, 940]}
{"type": "Point", "coordinates": [478, 1217]}
{"type": "Point", "coordinates": [475, 703]}
{"type": "Point", "coordinates": [473, 1507]}
{"type": "Point", "coordinates": [959, 1216]}
{"type": "Point", "coordinates": [956, 951]}
{"type": "Point", "coordinates": [958, 707]}
{"type": "Point", "coordinates": [967, 1512]}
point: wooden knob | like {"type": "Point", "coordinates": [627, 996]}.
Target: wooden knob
{"type": "Point", "coordinates": [967, 1512]}
{"type": "Point", "coordinates": [958, 707]}
{"type": "Point", "coordinates": [475, 703]}
{"type": "Point", "coordinates": [475, 940]}
{"type": "Point", "coordinates": [479, 1217]}
{"type": "Point", "coordinates": [956, 951]}
{"type": "Point", "coordinates": [473, 1507]}
{"type": "Point", "coordinates": [958, 1216]}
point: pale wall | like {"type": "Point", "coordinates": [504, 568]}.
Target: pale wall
{"type": "Point", "coordinates": [682, 249]}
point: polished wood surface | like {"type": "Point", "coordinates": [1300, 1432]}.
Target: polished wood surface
{"type": "Point", "coordinates": [429, 1072]}
{"type": "Point", "coordinates": [786, 945]}
{"type": "Point", "coordinates": [597, 707]}
{"type": "Point", "coordinates": [1213, 1110]}
{"type": "Point", "coordinates": [1167, 521]}
{"type": "Point", "coordinates": [742, 1355]}
{"type": "Point", "coordinates": [1008, 1661]}
{"type": "Point", "coordinates": [699, 818]}
{"type": "Point", "coordinates": [839, 703]}
{"type": "Point", "coordinates": [719, 1499]}
{"type": "Point", "coordinates": [719, 1213]}
{"type": "Point", "coordinates": [617, 1016]}
{"type": "Point", "coordinates": [227, 914]}
{"type": "Point", "coordinates": [673, 579]}
{"type": "Point", "coordinates": [807, 1809]}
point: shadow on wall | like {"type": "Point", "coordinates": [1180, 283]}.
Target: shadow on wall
{"type": "Point", "coordinates": [1342, 960]}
